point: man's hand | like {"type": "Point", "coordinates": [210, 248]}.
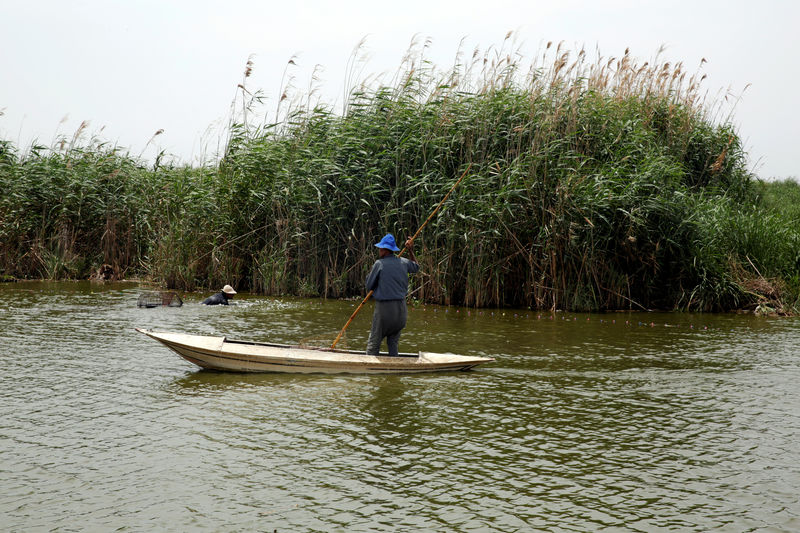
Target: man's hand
{"type": "Point", "coordinates": [410, 249]}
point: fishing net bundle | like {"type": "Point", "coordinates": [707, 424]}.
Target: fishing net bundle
{"type": "Point", "coordinates": [159, 299]}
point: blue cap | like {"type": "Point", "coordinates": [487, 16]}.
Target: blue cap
{"type": "Point", "coordinates": [388, 243]}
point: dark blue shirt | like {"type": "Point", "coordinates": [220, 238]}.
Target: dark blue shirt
{"type": "Point", "coordinates": [218, 299]}
{"type": "Point", "coordinates": [389, 277]}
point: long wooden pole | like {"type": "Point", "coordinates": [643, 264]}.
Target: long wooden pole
{"type": "Point", "coordinates": [369, 294]}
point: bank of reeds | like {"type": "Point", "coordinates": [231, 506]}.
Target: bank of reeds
{"type": "Point", "coordinates": [594, 184]}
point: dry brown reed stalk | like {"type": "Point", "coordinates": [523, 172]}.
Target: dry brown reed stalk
{"type": "Point", "coordinates": [248, 69]}
{"type": "Point", "coordinates": [75, 137]}
{"type": "Point", "coordinates": [77, 134]}
{"type": "Point", "coordinates": [717, 165]}
{"type": "Point", "coordinates": [158, 132]}
{"type": "Point", "coordinates": [766, 291]}
{"type": "Point", "coordinates": [356, 64]}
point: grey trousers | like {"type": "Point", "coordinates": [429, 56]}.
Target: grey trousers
{"type": "Point", "coordinates": [388, 320]}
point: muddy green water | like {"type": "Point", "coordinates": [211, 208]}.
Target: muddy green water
{"type": "Point", "coordinates": [619, 422]}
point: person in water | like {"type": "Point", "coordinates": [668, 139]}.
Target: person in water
{"type": "Point", "coordinates": [389, 279]}
{"type": "Point", "coordinates": [221, 298]}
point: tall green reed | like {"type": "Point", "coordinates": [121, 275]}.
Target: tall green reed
{"type": "Point", "coordinates": [595, 184]}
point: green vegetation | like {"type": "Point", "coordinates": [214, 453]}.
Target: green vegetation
{"type": "Point", "coordinates": [781, 197]}
{"type": "Point", "coordinates": [593, 185]}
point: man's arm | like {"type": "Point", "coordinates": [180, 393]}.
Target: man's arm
{"type": "Point", "coordinates": [410, 249]}
{"type": "Point", "coordinates": [372, 278]}
{"type": "Point", "coordinates": [411, 263]}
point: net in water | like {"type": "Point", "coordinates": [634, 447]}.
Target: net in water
{"type": "Point", "coordinates": [159, 299]}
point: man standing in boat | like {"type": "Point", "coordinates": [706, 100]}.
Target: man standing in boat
{"type": "Point", "coordinates": [389, 279]}
{"type": "Point", "coordinates": [221, 298]}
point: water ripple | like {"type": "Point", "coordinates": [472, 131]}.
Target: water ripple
{"type": "Point", "coordinates": [579, 426]}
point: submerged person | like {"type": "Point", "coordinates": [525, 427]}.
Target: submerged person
{"type": "Point", "coordinates": [221, 298]}
{"type": "Point", "coordinates": [389, 279]}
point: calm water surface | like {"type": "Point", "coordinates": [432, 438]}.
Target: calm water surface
{"type": "Point", "coordinates": [618, 422]}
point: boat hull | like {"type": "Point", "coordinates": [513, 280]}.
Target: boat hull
{"type": "Point", "coordinates": [219, 353]}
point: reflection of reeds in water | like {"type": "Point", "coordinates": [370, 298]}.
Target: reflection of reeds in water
{"type": "Point", "coordinates": [595, 183]}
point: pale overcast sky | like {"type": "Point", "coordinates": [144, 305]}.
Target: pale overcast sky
{"type": "Point", "coordinates": [133, 67]}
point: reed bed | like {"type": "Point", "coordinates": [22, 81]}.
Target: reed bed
{"type": "Point", "coordinates": [594, 184]}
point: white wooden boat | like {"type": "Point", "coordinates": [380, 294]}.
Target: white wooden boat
{"type": "Point", "coordinates": [221, 353]}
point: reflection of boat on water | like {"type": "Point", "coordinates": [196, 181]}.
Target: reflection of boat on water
{"type": "Point", "coordinates": [220, 353]}
{"type": "Point", "coordinates": [198, 380]}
